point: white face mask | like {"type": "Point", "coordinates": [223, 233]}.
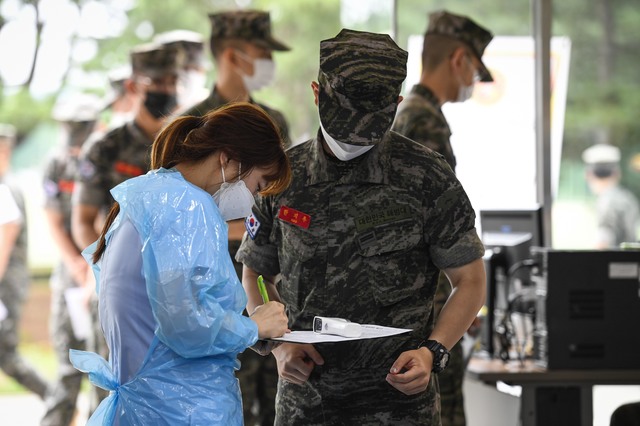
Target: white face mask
{"type": "Point", "coordinates": [193, 87]}
{"type": "Point", "coordinates": [466, 92]}
{"type": "Point", "coordinates": [234, 199]}
{"type": "Point", "coordinates": [120, 118]}
{"type": "Point", "coordinates": [264, 72]}
{"type": "Point", "coordinates": [343, 151]}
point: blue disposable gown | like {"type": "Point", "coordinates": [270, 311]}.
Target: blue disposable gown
{"type": "Point", "coordinates": [187, 376]}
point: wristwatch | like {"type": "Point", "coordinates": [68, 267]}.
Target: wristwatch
{"type": "Point", "coordinates": [440, 355]}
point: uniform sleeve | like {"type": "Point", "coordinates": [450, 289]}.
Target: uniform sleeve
{"type": "Point", "coordinates": [50, 182]}
{"type": "Point", "coordinates": [92, 182]}
{"type": "Point", "coordinates": [187, 279]}
{"type": "Point", "coordinates": [607, 223]}
{"type": "Point", "coordinates": [258, 250]}
{"type": "Point", "coordinates": [450, 221]}
{"type": "Point", "coordinates": [423, 127]}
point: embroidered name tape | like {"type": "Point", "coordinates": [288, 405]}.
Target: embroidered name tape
{"type": "Point", "coordinates": [295, 217]}
{"type": "Point", "coordinates": [127, 169]}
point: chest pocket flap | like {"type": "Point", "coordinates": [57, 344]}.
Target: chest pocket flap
{"type": "Point", "coordinates": [391, 253]}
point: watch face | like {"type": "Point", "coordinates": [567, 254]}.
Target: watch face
{"type": "Point", "coordinates": [444, 361]}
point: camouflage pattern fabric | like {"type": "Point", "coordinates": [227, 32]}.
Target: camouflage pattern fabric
{"type": "Point", "coordinates": [452, 378]}
{"type": "Point", "coordinates": [215, 101]}
{"type": "Point", "coordinates": [190, 42]}
{"type": "Point", "coordinates": [618, 215]}
{"type": "Point", "coordinates": [250, 25]}
{"type": "Point", "coordinates": [60, 406]}
{"type": "Point", "coordinates": [351, 90]}
{"type": "Point", "coordinates": [156, 60]}
{"type": "Point", "coordinates": [363, 240]}
{"type": "Point", "coordinates": [420, 118]}
{"type": "Point", "coordinates": [258, 375]}
{"type": "Point", "coordinates": [13, 292]}
{"type": "Point", "coordinates": [465, 30]}
{"type": "Point", "coordinates": [105, 162]}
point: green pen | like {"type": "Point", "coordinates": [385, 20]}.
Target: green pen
{"type": "Point", "coordinates": [262, 289]}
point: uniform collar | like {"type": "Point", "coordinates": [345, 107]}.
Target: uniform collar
{"type": "Point", "coordinates": [216, 99]}
{"type": "Point", "coordinates": [137, 135]}
{"type": "Point", "coordinates": [426, 93]}
{"type": "Point", "coordinates": [369, 168]}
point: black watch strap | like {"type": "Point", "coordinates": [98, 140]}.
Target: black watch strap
{"type": "Point", "coordinates": [440, 354]}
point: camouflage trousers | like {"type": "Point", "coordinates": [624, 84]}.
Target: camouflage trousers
{"type": "Point", "coordinates": [363, 398]}
{"type": "Point", "coordinates": [258, 377]}
{"type": "Point", "coordinates": [60, 405]}
{"type": "Point", "coordinates": [451, 397]}
{"type": "Point", "coordinates": [450, 380]}
{"type": "Point", "coordinates": [13, 293]}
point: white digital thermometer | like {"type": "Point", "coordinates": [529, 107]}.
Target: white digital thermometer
{"type": "Point", "coordinates": [337, 326]}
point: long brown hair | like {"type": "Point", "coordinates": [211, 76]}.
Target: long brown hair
{"type": "Point", "coordinates": [243, 131]}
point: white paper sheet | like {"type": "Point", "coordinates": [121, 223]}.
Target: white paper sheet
{"type": "Point", "coordinates": [369, 331]}
{"type": "Point", "coordinates": [78, 312]}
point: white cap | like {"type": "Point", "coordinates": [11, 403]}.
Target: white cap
{"type": "Point", "coordinates": [176, 36]}
{"type": "Point", "coordinates": [77, 107]}
{"type": "Point", "coordinates": [601, 153]}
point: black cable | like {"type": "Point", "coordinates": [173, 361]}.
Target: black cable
{"type": "Point", "coordinates": [526, 263]}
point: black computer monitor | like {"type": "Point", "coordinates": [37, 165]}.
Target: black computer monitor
{"type": "Point", "coordinates": [513, 222]}
{"type": "Point", "coordinates": [508, 236]}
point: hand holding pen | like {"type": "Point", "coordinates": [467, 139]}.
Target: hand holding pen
{"type": "Point", "coordinates": [270, 317]}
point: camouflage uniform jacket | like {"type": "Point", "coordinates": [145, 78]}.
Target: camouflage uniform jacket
{"type": "Point", "coordinates": [59, 181]}
{"type": "Point", "coordinates": [215, 101]}
{"type": "Point", "coordinates": [122, 153]}
{"type": "Point", "coordinates": [420, 118]}
{"type": "Point", "coordinates": [364, 240]}
{"type": "Point", "coordinates": [618, 215]}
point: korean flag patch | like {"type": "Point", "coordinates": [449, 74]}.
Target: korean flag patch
{"type": "Point", "coordinates": [253, 226]}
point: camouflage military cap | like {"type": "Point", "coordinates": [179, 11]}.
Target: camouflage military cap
{"type": "Point", "coordinates": [360, 79]}
{"type": "Point", "coordinates": [156, 60]}
{"type": "Point", "coordinates": [462, 28]}
{"type": "Point", "coordinates": [250, 25]}
{"type": "Point", "coordinates": [190, 42]}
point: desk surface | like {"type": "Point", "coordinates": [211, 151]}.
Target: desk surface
{"type": "Point", "coordinates": [515, 373]}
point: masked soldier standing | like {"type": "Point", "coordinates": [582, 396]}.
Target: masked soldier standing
{"type": "Point", "coordinates": [242, 45]}
{"type": "Point", "coordinates": [191, 89]}
{"type": "Point", "coordinates": [14, 274]}
{"type": "Point", "coordinates": [369, 220]}
{"type": "Point", "coordinates": [451, 65]}
{"type": "Point", "coordinates": [78, 117]}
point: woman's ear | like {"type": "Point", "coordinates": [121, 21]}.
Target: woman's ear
{"type": "Point", "coordinates": [224, 160]}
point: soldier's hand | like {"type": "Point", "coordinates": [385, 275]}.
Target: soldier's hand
{"type": "Point", "coordinates": [410, 373]}
{"type": "Point", "coordinates": [78, 268]}
{"type": "Point", "coordinates": [296, 362]}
